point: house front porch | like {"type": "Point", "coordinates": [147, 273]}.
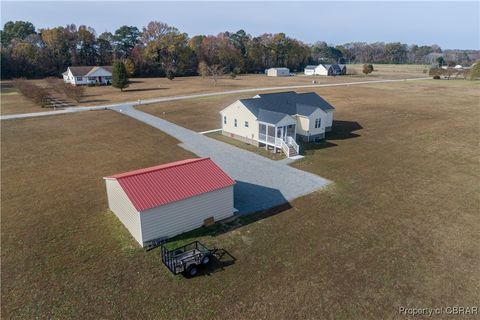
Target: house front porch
{"type": "Point", "coordinates": [279, 137]}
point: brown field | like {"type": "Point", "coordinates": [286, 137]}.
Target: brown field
{"type": "Point", "coordinates": [399, 227]}
{"type": "Point", "coordinates": [147, 88]}
{"type": "Point", "coordinates": [12, 102]}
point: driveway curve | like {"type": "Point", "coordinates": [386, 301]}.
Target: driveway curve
{"type": "Point", "coordinates": [261, 183]}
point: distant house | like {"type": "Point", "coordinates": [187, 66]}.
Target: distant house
{"type": "Point", "coordinates": [88, 75]}
{"type": "Point", "coordinates": [278, 72]}
{"type": "Point", "coordinates": [326, 70]}
{"type": "Point", "coordinates": [310, 70]}
{"type": "Point", "coordinates": [166, 200]}
{"type": "Point", "coordinates": [278, 120]}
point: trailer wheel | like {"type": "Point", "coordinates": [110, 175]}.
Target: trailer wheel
{"type": "Point", "coordinates": [206, 260]}
{"type": "Point", "coordinates": [192, 271]}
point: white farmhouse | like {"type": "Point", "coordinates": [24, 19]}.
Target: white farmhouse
{"type": "Point", "coordinates": [278, 72]}
{"type": "Point", "coordinates": [325, 70]}
{"type": "Point", "coordinates": [278, 120]}
{"type": "Point", "coordinates": [88, 75]}
{"type": "Point", "coordinates": [163, 201]}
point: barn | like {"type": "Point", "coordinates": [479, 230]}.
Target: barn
{"type": "Point", "coordinates": [278, 72]}
{"type": "Point", "coordinates": [163, 201]}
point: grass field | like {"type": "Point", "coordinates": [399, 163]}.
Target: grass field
{"type": "Point", "coordinates": [399, 226]}
{"type": "Point", "coordinates": [12, 101]}
{"type": "Point", "coordinates": [146, 88]}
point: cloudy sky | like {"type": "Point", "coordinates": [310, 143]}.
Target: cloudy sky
{"type": "Point", "coordinates": [452, 25]}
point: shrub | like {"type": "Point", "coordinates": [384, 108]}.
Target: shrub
{"type": "Point", "coordinates": [75, 93]}
{"type": "Point", "coordinates": [474, 72]}
{"type": "Point", "coordinates": [33, 92]}
{"type": "Point", "coordinates": [436, 77]}
{"type": "Point", "coordinates": [170, 75]}
{"type": "Point", "coordinates": [367, 68]}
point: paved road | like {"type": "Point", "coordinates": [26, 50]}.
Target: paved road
{"type": "Point", "coordinates": [261, 183]}
{"type": "Point", "coordinates": [200, 95]}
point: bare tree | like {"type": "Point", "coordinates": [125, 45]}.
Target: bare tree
{"type": "Point", "coordinates": [215, 72]}
{"type": "Point", "coordinates": [75, 93]}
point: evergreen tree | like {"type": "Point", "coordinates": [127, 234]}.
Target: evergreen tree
{"type": "Point", "coordinates": [119, 75]}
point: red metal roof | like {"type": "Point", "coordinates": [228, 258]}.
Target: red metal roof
{"type": "Point", "coordinates": [155, 186]}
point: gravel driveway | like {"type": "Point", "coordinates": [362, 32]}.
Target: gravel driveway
{"type": "Point", "coordinates": [261, 183]}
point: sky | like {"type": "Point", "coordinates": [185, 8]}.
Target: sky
{"type": "Point", "coordinates": [451, 25]}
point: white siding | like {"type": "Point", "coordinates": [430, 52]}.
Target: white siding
{"type": "Point", "coordinates": [321, 70]}
{"type": "Point", "coordinates": [185, 215]}
{"type": "Point", "coordinates": [119, 203]}
{"type": "Point", "coordinates": [315, 115]}
{"type": "Point", "coordinates": [309, 72]}
{"type": "Point", "coordinates": [329, 119]}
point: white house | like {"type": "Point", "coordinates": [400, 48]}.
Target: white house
{"type": "Point", "coordinates": [166, 200]}
{"type": "Point", "coordinates": [278, 72]}
{"type": "Point", "coordinates": [278, 120]}
{"type": "Point", "coordinates": [325, 70]}
{"type": "Point", "coordinates": [88, 75]}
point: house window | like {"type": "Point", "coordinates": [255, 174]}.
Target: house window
{"type": "Point", "coordinates": [235, 122]}
{"type": "Point", "coordinates": [246, 124]}
{"type": "Point", "coordinates": [224, 119]}
{"type": "Point", "coordinates": [79, 78]}
{"type": "Point", "coordinates": [108, 78]}
{"type": "Point", "coordinates": [318, 122]}
{"type": "Point", "coordinates": [92, 78]}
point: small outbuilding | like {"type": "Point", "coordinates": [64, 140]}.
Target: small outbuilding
{"type": "Point", "coordinates": [278, 72]}
{"type": "Point", "coordinates": [163, 201]}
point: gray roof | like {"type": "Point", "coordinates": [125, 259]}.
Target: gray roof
{"type": "Point", "coordinates": [80, 71]}
{"type": "Point", "coordinates": [310, 67]}
{"type": "Point", "coordinates": [272, 107]}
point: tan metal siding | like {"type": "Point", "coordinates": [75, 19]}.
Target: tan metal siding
{"type": "Point", "coordinates": [119, 204]}
{"type": "Point", "coordinates": [182, 216]}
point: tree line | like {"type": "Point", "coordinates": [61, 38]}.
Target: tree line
{"type": "Point", "coordinates": [158, 49]}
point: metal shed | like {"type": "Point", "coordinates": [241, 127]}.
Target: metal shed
{"type": "Point", "coordinates": [278, 72]}
{"type": "Point", "coordinates": [166, 200]}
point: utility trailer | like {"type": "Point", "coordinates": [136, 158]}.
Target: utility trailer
{"type": "Point", "coordinates": [187, 259]}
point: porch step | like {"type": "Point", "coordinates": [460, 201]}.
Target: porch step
{"type": "Point", "coordinates": [292, 152]}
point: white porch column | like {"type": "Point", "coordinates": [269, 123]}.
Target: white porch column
{"type": "Point", "coordinates": [275, 140]}
{"type": "Point", "coordinates": [266, 136]}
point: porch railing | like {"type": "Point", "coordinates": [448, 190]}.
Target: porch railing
{"type": "Point", "coordinates": [293, 143]}
{"type": "Point", "coordinates": [285, 149]}
{"type": "Point", "coordinates": [270, 139]}
{"type": "Point", "coordinates": [280, 143]}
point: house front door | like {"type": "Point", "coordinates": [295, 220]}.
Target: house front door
{"type": "Point", "coordinates": [280, 132]}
